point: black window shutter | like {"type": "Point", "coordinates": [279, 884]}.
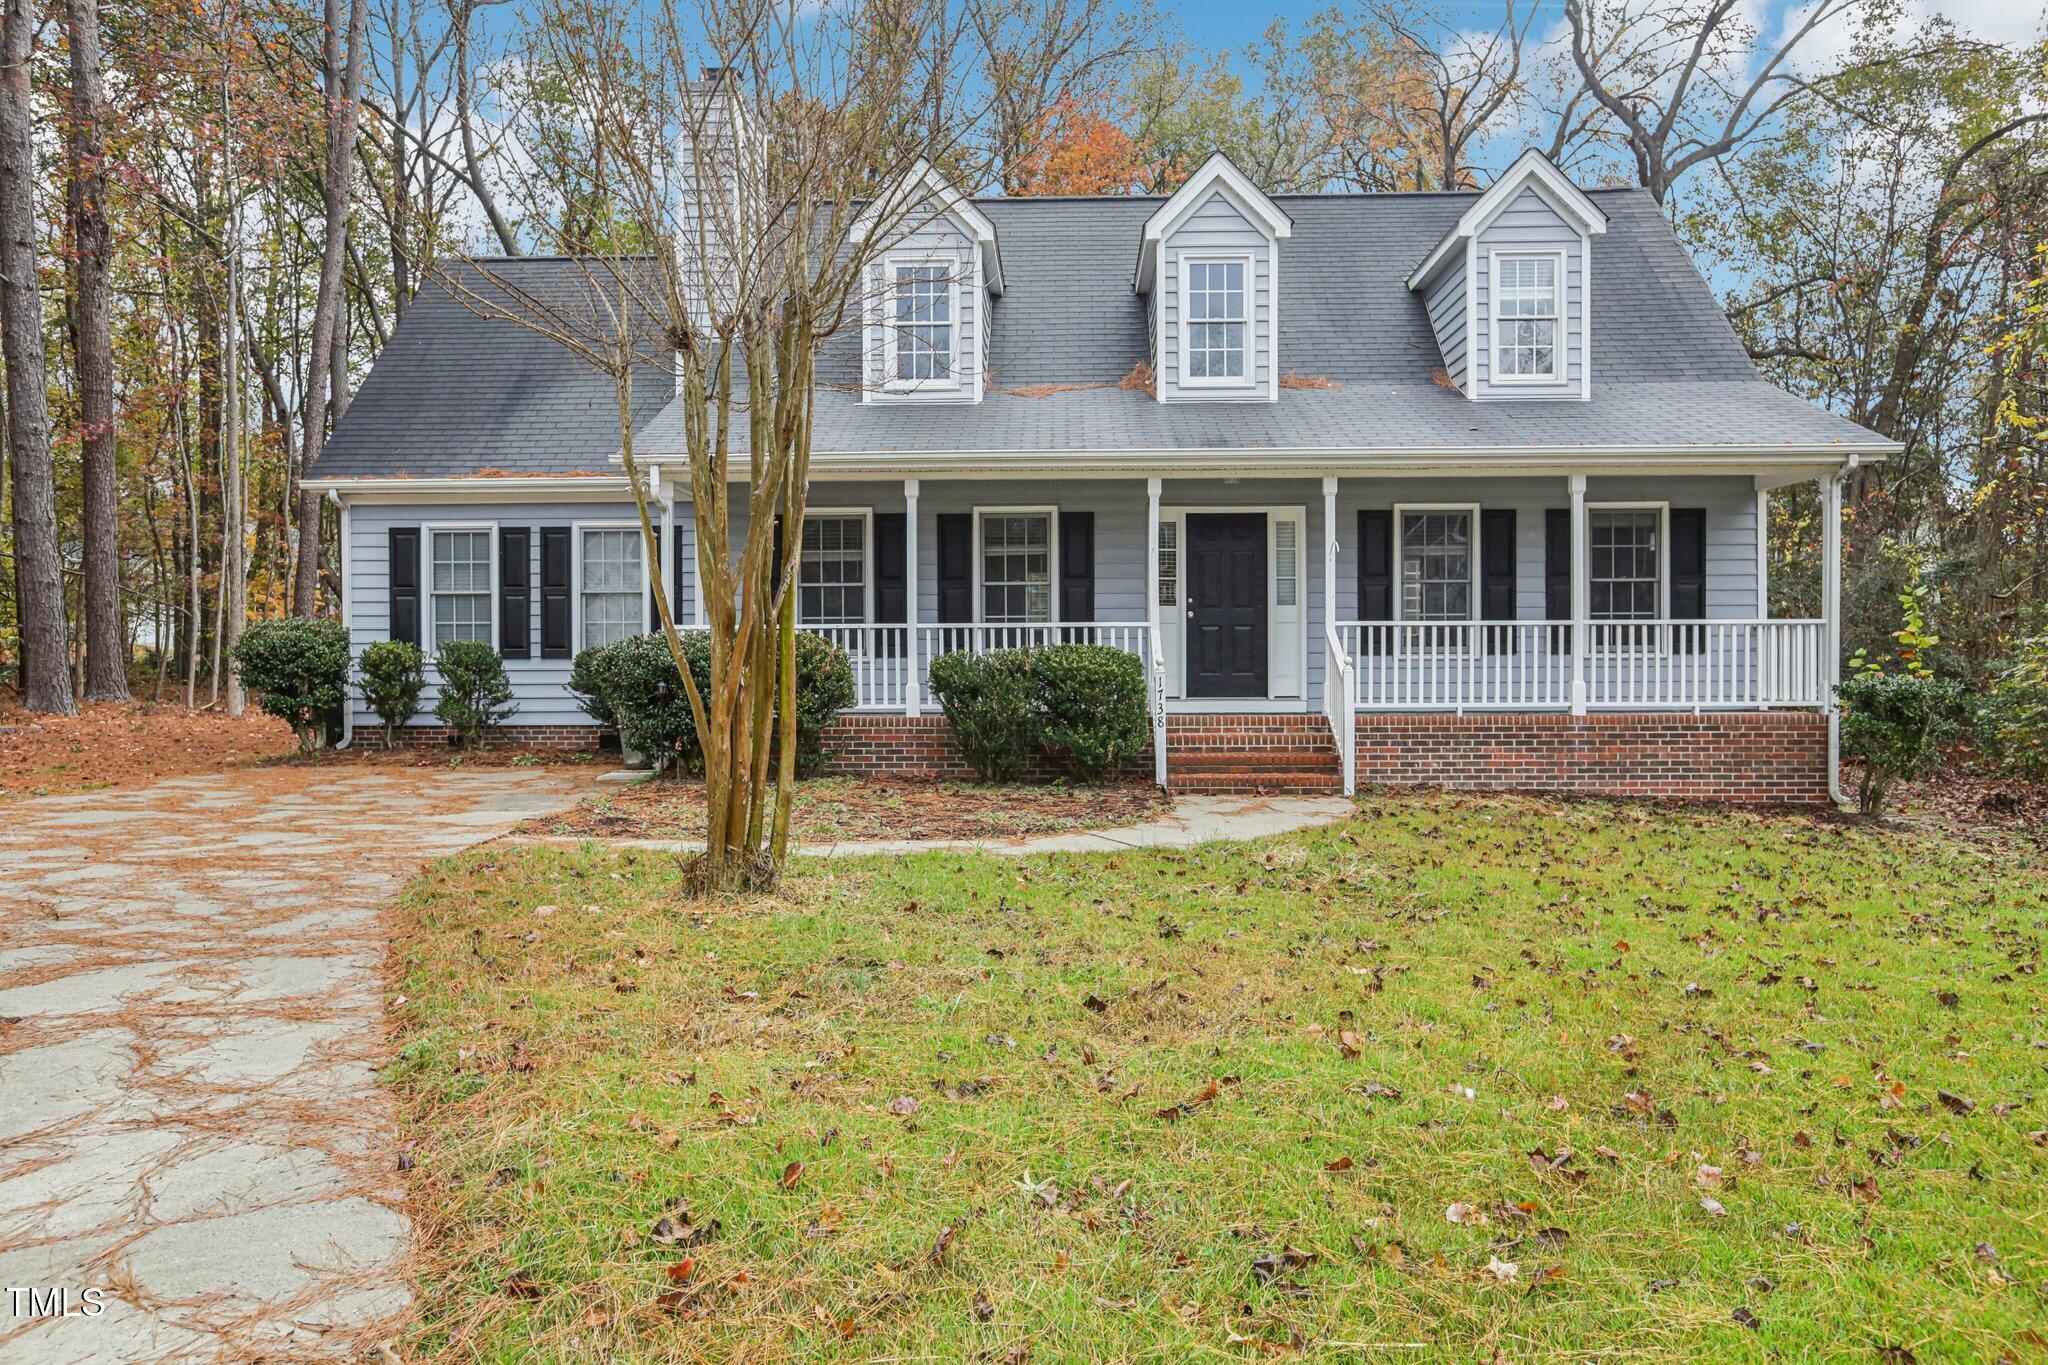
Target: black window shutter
{"type": "Point", "coordinates": [405, 584]}
{"type": "Point", "coordinates": [1497, 575]}
{"type": "Point", "coordinates": [1557, 572]}
{"type": "Point", "coordinates": [554, 592]}
{"type": "Point", "coordinates": [892, 573]}
{"type": "Point", "coordinates": [1375, 574]}
{"type": "Point", "coordinates": [1375, 564]}
{"type": "Point", "coordinates": [1688, 571]}
{"type": "Point", "coordinates": [956, 566]}
{"type": "Point", "coordinates": [515, 592]}
{"type": "Point", "coordinates": [1077, 566]}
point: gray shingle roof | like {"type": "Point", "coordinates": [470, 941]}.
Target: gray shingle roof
{"type": "Point", "coordinates": [1667, 368]}
{"type": "Point", "coordinates": [456, 391]}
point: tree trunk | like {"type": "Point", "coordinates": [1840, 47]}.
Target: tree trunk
{"type": "Point", "coordinates": [106, 643]}
{"type": "Point", "coordinates": [344, 83]}
{"type": "Point", "coordinates": [45, 634]}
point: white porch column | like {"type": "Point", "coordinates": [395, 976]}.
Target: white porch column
{"type": "Point", "coordinates": [912, 693]}
{"type": "Point", "coordinates": [1581, 598]}
{"type": "Point", "coordinates": [665, 553]}
{"type": "Point", "coordinates": [1831, 585]}
{"type": "Point", "coordinates": [1763, 554]}
{"type": "Point", "coordinates": [1154, 675]}
{"type": "Point", "coordinates": [1329, 553]}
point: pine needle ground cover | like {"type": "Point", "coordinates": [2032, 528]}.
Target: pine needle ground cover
{"type": "Point", "coordinates": [1456, 1077]}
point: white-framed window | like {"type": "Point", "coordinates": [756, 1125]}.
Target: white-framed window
{"type": "Point", "coordinates": [922, 322]}
{"type": "Point", "coordinates": [1014, 565]}
{"type": "Point", "coordinates": [1439, 562]}
{"type": "Point", "coordinates": [1216, 320]}
{"type": "Point", "coordinates": [611, 585]}
{"type": "Point", "coordinates": [462, 584]}
{"type": "Point", "coordinates": [1625, 562]}
{"type": "Point", "coordinates": [832, 578]}
{"type": "Point", "coordinates": [1528, 294]}
{"type": "Point", "coordinates": [1286, 557]}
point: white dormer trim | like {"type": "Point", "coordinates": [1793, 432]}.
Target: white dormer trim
{"type": "Point", "coordinates": [922, 183]}
{"type": "Point", "coordinates": [1217, 173]}
{"type": "Point", "coordinates": [1534, 170]}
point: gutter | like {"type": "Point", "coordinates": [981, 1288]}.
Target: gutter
{"type": "Point", "coordinates": [348, 710]}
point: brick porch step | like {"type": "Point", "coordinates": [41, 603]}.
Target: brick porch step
{"type": "Point", "coordinates": [1277, 754]}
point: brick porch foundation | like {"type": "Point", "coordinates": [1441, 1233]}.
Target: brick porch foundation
{"type": "Point", "coordinates": [545, 738]}
{"type": "Point", "coordinates": [867, 745]}
{"type": "Point", "coordinates": [1754, 758]}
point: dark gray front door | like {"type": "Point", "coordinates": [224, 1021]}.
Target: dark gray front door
{"type": "Point", "coordinates": [1226, 579]}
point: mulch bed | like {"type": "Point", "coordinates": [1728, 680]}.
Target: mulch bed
{"type": "Point", "coordinates": [841, 808]}
{"type": "Point", "coordinates": [122, 744]}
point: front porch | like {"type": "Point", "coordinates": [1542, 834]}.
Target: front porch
{"type": "Point", "coordinates": [1461, 593]}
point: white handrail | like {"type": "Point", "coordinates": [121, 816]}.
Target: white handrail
{"type": "Point", "coordinates": [1340, 693]}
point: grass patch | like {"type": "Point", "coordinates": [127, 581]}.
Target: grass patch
{"type": "Point", "coordinates": [1461, 1076]}
{"type": "Point", "coordinates": [828, 809]}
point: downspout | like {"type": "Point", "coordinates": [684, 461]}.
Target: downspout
{"type": "Point", "coordinates": [348, 710]}
{"type": "Point", "coordinates": [1833, 575]}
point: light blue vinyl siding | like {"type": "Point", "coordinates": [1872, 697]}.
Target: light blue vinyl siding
{"type": "Point", "coordinates": [540, 686]}
{"type": "Point", "coordinates": [1446, 301]}
{"type": "Point", "coordinates": [1216, 227]}
{"type": "Point", "coordinates": [1529, 223]}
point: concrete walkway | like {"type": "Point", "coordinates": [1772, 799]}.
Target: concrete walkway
{"type": "Point", "coordinates": [190, 1023]}
{"type": "Point", "coordinates": [1193, 820]}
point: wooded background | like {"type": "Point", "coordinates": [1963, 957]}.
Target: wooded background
{"type": "Point", "coordinates": [212, 216]}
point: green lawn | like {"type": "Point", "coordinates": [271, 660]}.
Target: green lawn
{"type": "Point", "coordinates": [1315, 1093]}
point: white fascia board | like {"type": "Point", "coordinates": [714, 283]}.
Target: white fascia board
{"type": "Point", "coordinates": [1216, 173]}
{"type": "Point", "coordinates": [923, 182]}
{"type": "Point", "coordinates": [1532, 168]}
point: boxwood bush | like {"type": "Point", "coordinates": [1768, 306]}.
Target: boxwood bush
{"type": "Point", "coordinates": [633, 687]}
{"type": "Point", "coordinates": [1082, 706]}
{"type": "Point", "coordinates": [392, 673]}
{"type": "Point", "coordinates": [298, 669]}
{"type": "Point", "coordinates": [475, 693]}
{"type": "Point", "coordinates": [987, 698]}
{"type": "Point", "coordinates": [1089, 705]}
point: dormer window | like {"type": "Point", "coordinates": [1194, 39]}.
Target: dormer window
{"type": "Point", "coordinates": [1217, 316]}
{"type": "Point", "coordinates": [921, 331]}
{"type": "Point", "coordinates": [1526, 315]}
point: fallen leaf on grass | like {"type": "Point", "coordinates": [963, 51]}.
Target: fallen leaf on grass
{"type": "Point", "coordinates": [1274, 1264]}
{"type": "Point", "coordinates": [1465, 1216]}
{"type": "Point", "coordinates": [1713, 1208]}
{"type": "Point", "coordinates": [1746, 1318]}
{"type": "Point", "coordinates": [903, 1105]}
{"type": "Point", "coordinates": [1504, 1271]}
{"type": "Point", "coordinates": [1954, 1103]}
{"type": "Point", "coordinates": [1200, 1100]}
{"type": "Point", "coordinates": [682, 1270]}
{"type": "Point", "coordinates": [792, 1173]}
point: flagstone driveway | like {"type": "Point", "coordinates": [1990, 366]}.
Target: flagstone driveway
{"type": "Point", "coordinates": [190, 1022]}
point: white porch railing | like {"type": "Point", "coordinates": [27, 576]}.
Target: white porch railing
{"type": "Point", "coordinates": [1531, 665]}
{"type": "Point", "coordinates": [886, 658]}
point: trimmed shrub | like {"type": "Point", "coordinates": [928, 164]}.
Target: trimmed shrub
{"type": "Point", "coordinates": [988, 700]}
{"type": "Point", "coordinates": [298, 669]}
{"type": "Point", "coordinates": [1896, 724]}
{"type": "Point", "coordinates": [2013, 724]}
{"type": "Point", "coordinates": [632, 686]}
{"type": "Point", "coordinates": [475, 693]}
{"type": "Point", "coordinates": [392, 674]}
{"type": "Point", "coordinates": [1089, 705]}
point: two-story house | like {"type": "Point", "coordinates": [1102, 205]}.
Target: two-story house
{"type": "Point", "coordinates": [1451, 488]}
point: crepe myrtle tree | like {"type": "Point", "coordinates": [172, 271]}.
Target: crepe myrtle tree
{"type": "Point", "coordinates": [720, 227]}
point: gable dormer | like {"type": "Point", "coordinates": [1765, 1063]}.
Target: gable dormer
{"type": "Point", "coordinates": [1209, 268]}
{"type": "Point", "coordinates": [1508, 289]}
{"type": "Point", "coordinates": [933, 271]}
